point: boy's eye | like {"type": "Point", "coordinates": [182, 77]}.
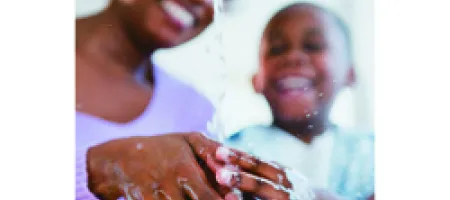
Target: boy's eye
{"type": "Point", "coordinates": [314, 47]}
{"type": "Point", "coordinates": [277, 49]}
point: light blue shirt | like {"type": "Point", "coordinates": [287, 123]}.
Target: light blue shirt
{"type": "Point", "coordinates": [351, 160]}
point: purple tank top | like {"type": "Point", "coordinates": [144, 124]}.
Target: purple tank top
{"type": "Point", "coordinates": [174, 107]}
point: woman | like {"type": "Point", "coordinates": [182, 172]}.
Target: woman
{"type": "Point", "coordinates": [119, 93]}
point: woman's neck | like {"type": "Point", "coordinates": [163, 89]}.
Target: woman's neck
{"type": "Point", "coordinates": [102, 42]}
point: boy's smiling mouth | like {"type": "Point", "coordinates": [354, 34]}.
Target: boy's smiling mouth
{"type": "Point", "coordinates": [295, 86]}
{"type": "Point", "coordinates": [178, 14]}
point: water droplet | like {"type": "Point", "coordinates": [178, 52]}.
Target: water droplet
{"type": "Point", "coordinates": [221, 8]}
{"type": "Point", "coordinates": [155, 185]}
{"type": "Point", "coordinates": [219, 38]}
{"type": "Point", "coordinates": [248, 160]}
{"type": "Point", "coordinates": [321, 94]}
{"type": "Point", "coordinates": [136, 193]}
{"type": "Point", "coordinates": [181, 180]}
{"type": "Point", "coordinates": [310, 126]}
{"type": "Point", "coordinates": [315, 113]}
{"type": "Point", "coordinates": [232, 167]}
{"type": "Point", "coordinates": [202, 150]}
{"type": "Point", "coordinates": [308, 115]}
{"type": "Point", "coordinates": [139, 146]}
{"type": "Point", "coordinates": [280, 178]}
{"type": "Point", "coordinates": [238, 193]}
{"type": "Point", "coordinates": [275, 165]}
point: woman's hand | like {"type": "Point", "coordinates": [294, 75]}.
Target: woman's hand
{"type": "Point", "coordinates": [158, 167]}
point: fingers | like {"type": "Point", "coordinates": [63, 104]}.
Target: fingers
{"type": "Point", "coordinates": [168, 191]}
{"type": "Point", "coordinates": [253, 165]}
{"type": "Point", "coordinates": [234, 194]}
{"type": "Point", "coordinates": [197, 187]}
{"type": "Point", "coordinates": [201, 145]}
{"type": "Point", "coordinates": [193, 181]}
{"type": "Point", "coordinates": [212, 164]}
{"type": "Point", "coordinates": [249, 183]}
{"type": "Point", "coordinates": [202, 1]}
{"type": "Point", "coordinates": [230, 194]}
{"type": "Point", "coordinates": [199, 191]}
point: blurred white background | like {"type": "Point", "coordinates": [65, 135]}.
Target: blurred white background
{"type": "Point", "coordinates": [222, 60]}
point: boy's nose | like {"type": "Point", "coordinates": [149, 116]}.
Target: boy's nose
{"type": "Point", "coordinates": [301, 60]}
{"type": "Point", "coordinates": [296, 58]}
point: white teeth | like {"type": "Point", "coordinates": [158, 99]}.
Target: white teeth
{"type": "Point", "coordinates": [178, 13]}
{"type": "Point", "coordinates": [295, 83]}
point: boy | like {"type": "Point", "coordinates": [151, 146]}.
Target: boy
{"type": "Point", "coordinates": [305, 60]}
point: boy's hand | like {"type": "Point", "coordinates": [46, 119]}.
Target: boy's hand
{"type": "Point", "coordinates": [235, 169]}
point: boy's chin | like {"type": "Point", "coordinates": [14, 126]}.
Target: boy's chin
{"type": "Point", "coordinates": [294, 118]}
{"type": "Point", "coordinates": [299, 112]}
{"type": "Point", "coordinates": [289, 115]}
